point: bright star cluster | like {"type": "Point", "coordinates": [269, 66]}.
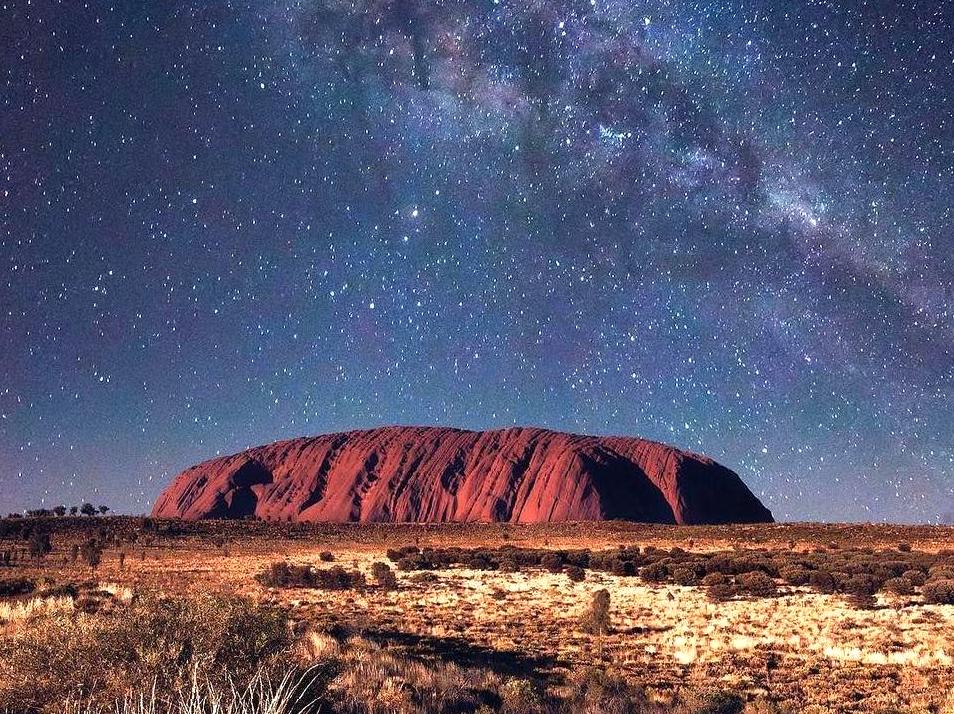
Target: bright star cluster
{"type": "Point", "coordinates": [724, 225]}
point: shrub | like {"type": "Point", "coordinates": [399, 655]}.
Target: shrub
{"type": "Point", "coordinates": [19, 586]}
{"type": "Point", "coordinates": [479, 562]}
{"type": "Point", "coordinates": [822, 581]}
{"type": "Point", "coordinates": [684, 576]}
{"type": "Point", "coordinates": [384, 576]}
{"type": "Point", "coordinates": [794, 575]}
{"type": "Point", "coordinates": [552, 562]}
{"type": "Point", "coordinates": [861, 585]}
{"type": "Point", "coordinates": [519, 696]}
{"type": "Point", "coordinates": [595, 690]}
{"type": "Point", "coordinates": [575, 573]}
{"type": "Point", "coordinates": [284, 575]}
{"type": "Point", "coordinates": [69, 590]}
{"type": "Point", "coordinates": [579, 558]}
{"type": "Point", "coordinates": [279, 575]}
{"type": "Point", "coordinates": [325, 556]}
{"type": "Point", "coordinates": [654, 573]}
{"type": "Point", "coordinates": [717, 702]}
{"type": "Point", "coordinates": [412, 562]}
{"type": "Point", "coordinates": [715, 579]}
{"type": "Point", "coordinates": [596, 621]}
{"type": "Point", "coordinates": [508, 565]}
{"type": "Point", "coordinates": [915, 577]}
{"type": "Point", "coordinates": [757, 583]}
{"type": "Point", "coordinates": [723, 591]}
{"type": "Point", "coordinates": [396, 554]}
{"type": "Point", "coordinates": [939, 592]}
{"type": "Point", "coordinates": [898, 586]}
{"type": "Point", "coordinates": [941, 572]}
{"type": "Point", "coordinates": [625, 568]}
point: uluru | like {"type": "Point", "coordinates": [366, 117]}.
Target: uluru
{"type": "Point", "coordinates": [436, 474]}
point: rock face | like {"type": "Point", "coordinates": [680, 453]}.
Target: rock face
{"type": "Point", "coordinates": [430, 474]}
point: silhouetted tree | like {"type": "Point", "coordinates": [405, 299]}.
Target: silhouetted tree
{"type": "Point", "coordinates": [74, 510]}
{"type": "Point", "coordinates": [40, 545]}
{"type": "Point", "coordinates": [103, 509]}
{"type": "Point", "coordinates": [92, 553]}
{"type": "Point", "coordinates": [88, 509]}
{"type": "Point", "coordinates": [60, 511]}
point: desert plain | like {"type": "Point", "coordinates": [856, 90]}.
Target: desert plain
{"type": "Point", "coordinates": [478, 617]}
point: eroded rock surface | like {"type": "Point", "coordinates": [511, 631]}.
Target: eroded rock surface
{"type": "Point", "coordinates": [441, 474]}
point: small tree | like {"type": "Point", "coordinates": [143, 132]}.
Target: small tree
{"type": "Point", "coordinates": [88, 509]}
{"type": "Point", "coordinates": [74, 510]}
{"type": "Point", "coordinates": [92, 553]}
{"type": "Point", "coordinates": [597, 618]}
{"type": "Point", "coordinates": [104, 510]}
{"type": "Point", "coordinates": [40, 545]}
{"type": "Point", "coordinates": [74, 552]}
{"type": "Point", "coordinates": [60, 511]}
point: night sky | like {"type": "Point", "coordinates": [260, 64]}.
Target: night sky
{"type": "Point", "coordinates": [725, 225]}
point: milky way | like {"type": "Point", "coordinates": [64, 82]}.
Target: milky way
{"type": "Point", "coordinates": [727, 226]}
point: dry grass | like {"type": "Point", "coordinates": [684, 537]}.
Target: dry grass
{"type": "Point", "coordinates": [499, 633]}
{"type": "Point", "coordinates": [261, 694]}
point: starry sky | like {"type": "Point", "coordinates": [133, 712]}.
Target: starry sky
{"type": "Point", "coordinates": [724, 225]}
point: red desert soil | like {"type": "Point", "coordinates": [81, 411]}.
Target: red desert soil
{"type": "Point", "coordinates": [435, 474]}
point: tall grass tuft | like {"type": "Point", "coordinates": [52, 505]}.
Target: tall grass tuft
{"type": "Point", "coordinates": [262, 694]}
